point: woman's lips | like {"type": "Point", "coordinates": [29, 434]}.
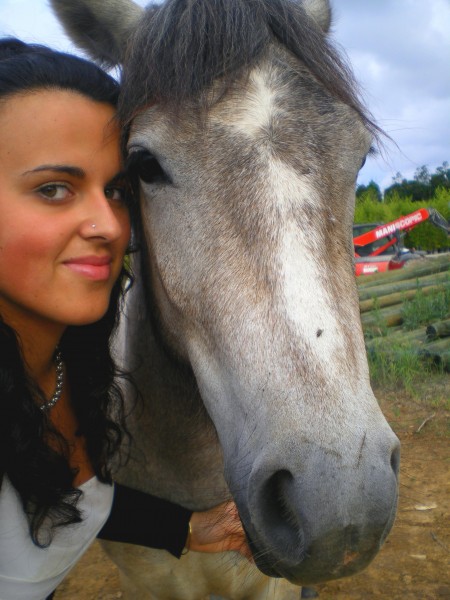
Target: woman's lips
{"type": "Point", "coordinates": [97, 268]}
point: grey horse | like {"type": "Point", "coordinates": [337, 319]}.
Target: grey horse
{"type": "Point", "coordinates": [245, 132]}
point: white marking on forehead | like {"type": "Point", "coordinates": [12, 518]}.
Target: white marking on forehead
{"type": "Point", "coordinates": [255, 109]}
{"type": "Point", "coordinates": [309, 306]}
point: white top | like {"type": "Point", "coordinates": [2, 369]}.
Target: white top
{"type": "Point", "coordinates": [28, 572]}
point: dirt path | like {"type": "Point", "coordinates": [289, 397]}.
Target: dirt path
{"type": "Point", "coordinates": [414, 562]}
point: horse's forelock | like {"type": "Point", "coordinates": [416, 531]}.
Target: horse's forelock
{"type": "Point", "coordinates": [181, 47]}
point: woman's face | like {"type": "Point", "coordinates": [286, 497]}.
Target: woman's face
{"type": "Point", "coordinates": [64, 225]}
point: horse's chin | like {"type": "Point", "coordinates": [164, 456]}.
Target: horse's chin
{"type": "Point", "coordinates": [316, 566]}
{"type": "Point", "coordinates": [308, 574]}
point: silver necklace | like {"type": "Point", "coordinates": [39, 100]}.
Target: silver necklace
{"type": "Point", "coordinates": [59, 382]}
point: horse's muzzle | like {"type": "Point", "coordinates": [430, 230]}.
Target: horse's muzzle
{"type": "Point", "coordinates": [327, 520]}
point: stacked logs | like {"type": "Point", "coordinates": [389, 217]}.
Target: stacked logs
{"type": "Point", "coordinates": [382, 297]}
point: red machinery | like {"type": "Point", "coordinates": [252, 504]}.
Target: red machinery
{"type": "Point", "coordinates": [378, 247]}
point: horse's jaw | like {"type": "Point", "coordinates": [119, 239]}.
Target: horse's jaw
{"type": "Point", "coordinates": [175, 451]}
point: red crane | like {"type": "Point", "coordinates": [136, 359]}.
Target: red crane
{"type": "Point", "coordinates": [372, 245]}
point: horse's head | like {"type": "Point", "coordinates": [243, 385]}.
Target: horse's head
{"type": "Point", "coordinates": [247, 136]}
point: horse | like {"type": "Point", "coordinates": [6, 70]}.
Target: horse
{"type": "Point", "coordinates": [246, 132]}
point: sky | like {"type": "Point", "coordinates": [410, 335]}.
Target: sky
{"type": "Point", "coordinates": [399, 51]}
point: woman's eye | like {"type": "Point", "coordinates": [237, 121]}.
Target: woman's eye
{"type": "Point", "coordinates": [115, 194]}
{"type": "Point", "coordinates": [54, 192]}
{"type": "Point", "coordinates": [143, 165]}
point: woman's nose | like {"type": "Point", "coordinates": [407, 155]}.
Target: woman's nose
{"type": "Point", "coordinates": [101, 220]}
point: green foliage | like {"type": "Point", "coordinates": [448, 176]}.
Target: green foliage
{"type": "Point", "coordinates": [426, 236]}
{"type": "Point", "coordinates": [395, 198]}
{"type": "Point", "coordinates": [423, 237]}
{"type": "Point", "coordinates": [397, 358]}
{"type": "Point", "coordinates": [400, 366]}
{"type": "Point", "coordinates": [415, 190]}
{"type": "Point", "coordinates": [422, 175]}
{"type": "Point", "coordinates": [370, 192]}
{"type": "Point", "coordinates": [441, 179]}
{"type": "Point", "coordinates": [424, 309]}
{"type": "Point", "coordinates": [422, 187]}
{"type": "Point", "coordinates": [380, 328]}
{"type": "Point", "coordinates": [368, 211]}
{"type": "Point", "coordinates": [400, 350]}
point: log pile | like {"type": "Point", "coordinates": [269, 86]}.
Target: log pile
{"type": "Point", "coordinates": [382, 297]}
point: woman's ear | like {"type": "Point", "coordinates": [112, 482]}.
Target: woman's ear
{"type": "Point", "coordinates": [100, 27]}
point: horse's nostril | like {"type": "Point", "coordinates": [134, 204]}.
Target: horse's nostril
{"type": "Point", "coordinates": [395, 460]}
{"type": "Point", "coordinates": [275, 491]}
{"type": "Point", "coordinates": [281, 512]}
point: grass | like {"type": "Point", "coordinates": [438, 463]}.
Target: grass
{"type": "Point", "coordinates": [380, 328]}
{"type": "Point", "coordinates": [425, 309]}
{"type": "Point", "coordinates": [400, 365]}
{"type": "Point", "coordinates": [426, 399]}
{"type": "Point", "coordinates": [440, 403]}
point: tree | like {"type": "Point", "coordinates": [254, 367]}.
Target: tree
{"type": "Point", "coordinates": [422, 175]}
{"type": "Point", "coordinates": [369, 192]}
{"type": "Point", "coordinates": [398, 178]}
{"type": "Point", "coordinates": [422, 187]}
{"type": "Point", "coordinates": [441, 179]}
{"type": "Point", "coordinates": [415, 190]}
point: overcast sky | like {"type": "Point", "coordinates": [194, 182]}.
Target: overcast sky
{"type": "Point", "coordinates": [399, 50]}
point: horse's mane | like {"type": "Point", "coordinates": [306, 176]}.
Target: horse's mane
{"type": "Point", "coordinates": [182, 46]}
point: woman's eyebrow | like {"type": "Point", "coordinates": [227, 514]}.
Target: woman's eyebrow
{"type": "Point", "coordinates": [67, 169]}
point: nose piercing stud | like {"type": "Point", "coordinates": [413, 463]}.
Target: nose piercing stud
{"type": "Point", "coordinates": [93, 225]}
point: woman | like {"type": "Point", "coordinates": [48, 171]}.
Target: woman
{"type": "Point", "coordinates": [64, 229]}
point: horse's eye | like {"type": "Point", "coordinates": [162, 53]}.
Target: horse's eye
{"type": "Point", "coordinates": [372, 152]}
{"type": "Point", "coordinates": [143, 165]}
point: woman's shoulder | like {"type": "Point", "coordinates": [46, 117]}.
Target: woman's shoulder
{"type": "Point", "coordinates": [23, 565]}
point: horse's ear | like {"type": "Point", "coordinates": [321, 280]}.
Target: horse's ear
{"type": "Point", "coordinates": [101, 27]}
{"type": "Point", "coordinates": [320, 12]}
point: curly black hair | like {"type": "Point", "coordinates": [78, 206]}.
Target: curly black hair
{"type": "Point", "coordinates": [41, 474]}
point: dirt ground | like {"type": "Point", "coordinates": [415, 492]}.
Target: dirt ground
{"type": "Point", "coordinates": [414, 562]}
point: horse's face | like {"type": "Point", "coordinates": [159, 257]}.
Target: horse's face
{"type": "Point", "coordinates": [247, 213]}
{"type": "Point", "coordinates": [249, 231]}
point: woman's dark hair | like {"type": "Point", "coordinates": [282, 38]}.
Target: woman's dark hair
{"type": "Point", "coordinates": [28, 67]}
{"type": "Point", "coordinates": [42, 475]}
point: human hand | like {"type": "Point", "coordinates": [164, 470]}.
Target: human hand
{"type": "Point", "coordinates": [218, 529]}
